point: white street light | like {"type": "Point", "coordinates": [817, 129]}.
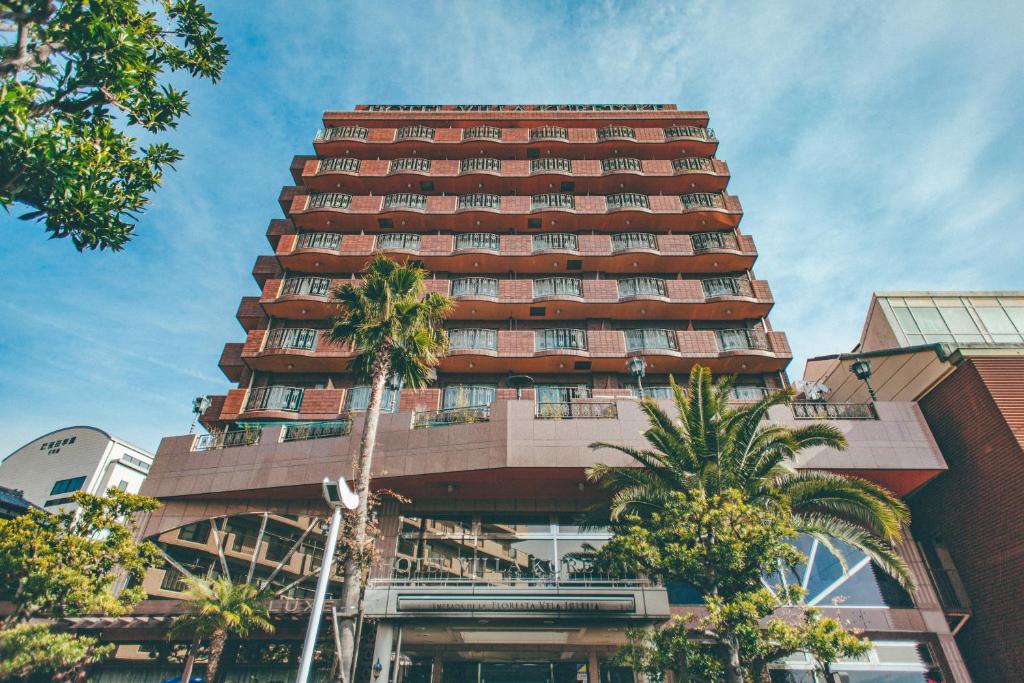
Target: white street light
{"type": "Point", "coordinates": [338, 495]}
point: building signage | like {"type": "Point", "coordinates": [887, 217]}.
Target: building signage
{"type": "Point", "coordinates": [512, 107]}
{"type": "Point", "coordinates": [517, 603]}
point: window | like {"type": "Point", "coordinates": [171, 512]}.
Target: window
{"type": "Point", "coordinates": [197, 532]}
{"type": "Point", "coordinates": [467, 395]}
{"type": "Point", "coordinates": [122, 485]}
{"type": "Point", "coordinates": [135, 462]}
{"type": "Point", "coordinates": [67, 485]}
{"type": "Point", "coordinates": [657, 392]}
{"type": "Point", "coordinates": [173, 580]}
{"type": "Point", "coordinates": [998, 324]}
{"type": "Point", "coordinates": [357, 399]}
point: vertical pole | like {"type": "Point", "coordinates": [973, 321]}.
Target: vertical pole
{"type": "Point", "coordinates": [316, 613]}
{"type": "Point", "coordinates": [640, 385]}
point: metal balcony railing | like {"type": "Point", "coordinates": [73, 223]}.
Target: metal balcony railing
{"type": "Point", "coordinates": [628, 200]}
{"type": "Point", "coordinates": [550, 165]}
{"type": "Point", "coordinates": [480, 200]}
{"type": "Point", "coordinates": [556, 241]}
{"type": "Point", "coordinates": [703, 200]}
{"type": "Point", "coordinates": [614, 132]}
{"type": "Point", "coordinates": [339, 164]}
{"type": "Point", "coordinates": [341, 133]}
{"type": "Point", "coordinates": [692, 164]}
{"type": "Point", "coordinates": [707, 241]}
{"type": "Point", "coordinates": [328, 200]}
{"type": "Point", "coordinates": [480, 165]}
{"type": "Point", "coordinates": [589, 409]}
{"type": "Point", "coordinates": [478, 240]}
{"type": "Point", "coordinates": [407, 164]}
{"type": "Point", "coordinates": [475, 286]}
{"type": "Point", "coordinates": [727, 286]}
{"type": "Point", "coordinates": [473, 338]}
{"type": "Point", "coordinates": [626, 241]}
{"type": "Point", "coordinates": [302, 338]}
{"type": "Point", "coordinates": [641, 286]}
{"type": "Point", "coordinates": [409, 132]}
{"type": "Point", "coordinates": [316, 430]}
{"type": "Point", "coordinates": [644, 340]}
{"type": "Point", "coordinates": [481, 132]}
{"type": "Point", "coordinates": [451, 416]}
{"type": "Point", "coordinates": [399, 240]}
{"type": "Point", "coordinates": [405, 200]}
{"type": "Point", "coordinates": [552, 200]}
{"type": "Point", "coordinates": [560, 339]}
{"type": "Point", "coordinates": [319, 240]}
{"type": "Point", "coordinates": [549, 132]}
{"type": "Point", "coordinates": [309, 286]}
{"type": "Point", "coordinates": [275, 398]}
{"type": "Point", "coordinates": [813, 410]}
{"type": "Point", "coordinates": [557, 286]}
{"type": "Point", "coordinates": [621, 164]}
{"type": "Point", "coordinates": [731, 340]}
{"type": "Point", "coordinates": [209, 442]}
{"type": "Point", "coordinates": [695, 132]}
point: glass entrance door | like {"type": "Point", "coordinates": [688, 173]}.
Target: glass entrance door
{"type": "Point", "coordinates": [513, 672]}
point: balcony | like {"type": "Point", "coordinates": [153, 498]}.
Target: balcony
{"type": "Point", "coordinates": [557, 286]}
{"type": "Point", "coordinates": [691, 132]}
{"type": "Point", "coordinates": [324, 429]}
{"type": "Point", "coordinates": [341, 133]}
{"type": "Point", "coordinates": [549, 133]}
{"type": "Point", "coordinates": [714, 241]}
{"type": "Point", "coordinates": [405, 200]}
{"type": "Point", "coordinates": [451, 416]}
{"type": "Point", "coordinates": [328, 200]}
{"type": "Point", "coordinates": [628, 200]}
{"type": "Point", "coordinates": [409, 165]}
{"type": "Point", "coordinates": [727, 286]}
{"type": "Point", "coordinates": [616, 133]}
{"type": "Point", "coordinates": [548, 340]}
{"type": "Point", "coordinates": [484, 241]}
{"type": "Point", "coordinates": [550, 165]}
{"type": "Point", "coordinates": [306, 286]}
{"type": "Point", "coordinates": [688, 164]}
{"type": "Point", "coordinates": [552, 200]}
{"type": "Point", "coordinates": [481, 133]}
{"type": "Point", "coordinates": [473, 339]}
{"type": "Point", "coordinates": [329, 241]}
{"type": "Point", "coordinates": [814, 410]}
{"type": "Point", "coordinates": [621, 164]}
{"type": "Point", "coordinates": [584, 409]}
{"type": "Point", "coordinates": [480, 165]}
{"type": "Point", "coordinates": [731, 340]}
{"type": "Point", "coordinates": [651, 340]}
{"type": "Point", "coordinates": [703, 200]}
{"type": "Point", "coordinates": [475, 286]}
{"type": "Point", "coordinates": [403, 241]}
{"type": "Point", "coordinates": [415, 133]}
{"type": "Point", "coordinates": [336, 164]}
{"type": "Point", "coordinates": [491, 202]}
{"type": "Point", "coordinates": [555, 241]}
{"type": "Point", "coordinates": [632, 241]}
{"type": "Point", "coordinates": [232, 439]}
{"type": "Point", "coordinates": [297, 338]}
{"type": "Point", "coordinates": [275, 398]}
{"type": "Point", "coordinates": [641, 286]}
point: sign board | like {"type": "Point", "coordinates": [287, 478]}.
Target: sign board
{"type": "Point", "coordinates": [574, 604]}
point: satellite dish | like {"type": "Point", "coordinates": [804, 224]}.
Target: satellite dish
{"type": "Point", "coordinates": [813, 390]}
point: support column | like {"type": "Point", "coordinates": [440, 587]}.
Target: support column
{"type": "Point", "coordinates": [593, 669]}
{"type": "Point", "coordinates": [382, 651]}
{"type": "Point", "coordinates": [435, 670]}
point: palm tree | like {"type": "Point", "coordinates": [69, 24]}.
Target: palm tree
{"type": "Point", "coordinates": [218, 608]}
{"type": "Point", "coordinates": [396, 331]}
{"type": "Point", "coordinates": [715, 446]}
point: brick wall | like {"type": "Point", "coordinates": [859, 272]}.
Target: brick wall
{"type": "Point", "coordinates": [321, 403]}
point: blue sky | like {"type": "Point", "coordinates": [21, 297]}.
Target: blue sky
{"type": "Point", "coordinates": [874, 146]}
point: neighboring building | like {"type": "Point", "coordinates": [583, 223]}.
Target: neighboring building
{"type": "Point", "coordinates": [13, 503]}
{"type": "Point", "coordinates": [960, 356]}
{"type": "Point", "coordinates": [50, 469]}
{"type": "Point", "coordinates": [572, 238]}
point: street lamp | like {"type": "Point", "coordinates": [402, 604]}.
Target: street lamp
{"type": "Point", "coordinates": [338, 496]}
{"type": "Point", "coordinates": [638, 368]}
{"type": "Point", "coordinates": [862, 371]}
{"type": "Point", "coordinates": [199, 406]}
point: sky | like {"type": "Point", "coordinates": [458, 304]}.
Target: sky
{"type": "Point", "coordinates": [874, 146]}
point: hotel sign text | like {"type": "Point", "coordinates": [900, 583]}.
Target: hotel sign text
{"type": "Point", "coordinates": [521, 603]}
{"type": "Point", "coordinates": [514, 107]}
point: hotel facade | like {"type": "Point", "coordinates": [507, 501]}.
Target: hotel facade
{"type": "Point", "coordinates": [574, 239]}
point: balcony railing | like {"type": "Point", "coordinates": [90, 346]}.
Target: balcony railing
{"type": "Point", "coordinates": [550, 165]}
{"type": "Point", "coordinates": [696, 132]}
{"type": "Point", "coordinates": [813, 410]}
{"type": "Point", "coordinates": [557, 286]}
{"type": "Point", "coordinates": [628, 200]}
{"type": "Point", "coordinates": [615, 132]}
{"type": "Point", "coordinates": [480, 200]}
{"type": "Point", "coordinates": [560, 339]}
{"type": "Point", "coordinates": [405, 200]}
{"type": "Point", "coordinates": [727, 286]}
{"type": "Point", "coordinates": [475, 286]}
{"type": "Point", "coordinates": [552, 200]}
{"type": "Point", "coordinates": [209, 442]}
{"type": "Point", "coordinates": [342, 133]}
{"type": "Point", "coordinates": [319, 240]}
{"type": "Point", "coordinates": [399, 240]}
{"type": "Point", "coordinates": [275, 398]}
{"type": "Point", "coordinates": [703, 200]}
{"type": "Point", "coordinates": [589, 409]}
{"type": "Point", "coordinates": [328, 200]}
{"type": "Point", "coordinates": [316, 430]}
{"type": "Point", "coordinates": [473, 338]}
{"type": "Point", "coordinates": [556, 241]}
{"type": "Point", "coordinates": [451, 416]}
{"type": "Point", "coordinates": [480, 165]}
{"type": "Point", "coordinates": [481, 132]}
{"type": "Point", "coordinates": [549, 133]}
{"type": "Point", "coordinates": [412, 132]}
{"type": "Point", "coordinates": [407, 164]}
{"type": "Point", "coordinates": [644, 340]}
{"type": "Point", "coordinates": [478, 240]}
{"type": "Point", "coordinates": [692, 164]}
{"type": "Point", "coordinates": [339, 164]}
{"type": "Point", "coordinates": [708, 241]}
{"type": "Point", "coordinates": [302, 338]}
{"type": "Point", "coordinates": [620, 164]}
{"type": "Point", "coordinates": [309, 286]}
{"type": "Point", "coordinates": [641, 286]}
{"type": "Point", "coordinates": [634, 240]}
{"type": "Point", "coordinates": [731, 340]}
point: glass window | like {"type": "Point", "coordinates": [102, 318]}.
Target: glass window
{"type": "Point", "coordinates": [67, 485]}
{"type": "Point", "coordinates": [516, 525]}
{"type": "Point", "coordinates": [998, 325]}
{"type": "Point", "coordinates": [122, 485]}
{"type": "Point", "coordinates": [905, 320]}
{"type": "Point", "coordinates": [547, 393]}
{"type": "Point", "coordinates": [959, 321]}
{"type": "Point", "coordinates": [1016, 316]}
{"type": "Point", "coordinates": [197, 532]}
{"type": "Point", "coordinates": [358, 399]}
{"type": "Point", "coordinates": [930, 322]}
{"type": "Point", "coordinates": [467, 395]}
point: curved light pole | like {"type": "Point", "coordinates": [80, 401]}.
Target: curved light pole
{"type": "Point", "coordinates": [638, 368]}
{"type": "Point", "coordinates": [338, 496]}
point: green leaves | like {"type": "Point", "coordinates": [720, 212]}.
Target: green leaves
{"type": "Point", "coordinates": [86, 74]}
{"type": "Point", "coordinates": [36, 649]}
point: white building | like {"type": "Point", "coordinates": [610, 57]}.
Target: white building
{"type": "Point", "coordinates": [56, 465]}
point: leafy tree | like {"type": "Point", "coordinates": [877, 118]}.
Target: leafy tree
{"type": "Point", "coordinates": [396, 330]}
{"type": "Point", "coordinates": [74, 77]}
{"type": "Point", "coordinates": [66, 565]}
{"type": "Point", "coordinates": [217, 609]}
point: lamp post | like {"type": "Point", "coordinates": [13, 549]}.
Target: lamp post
{"type": "Point", "coordinates": [338, 496]}
{"type": "Point", "coordinates": [199, 406]}
{"type": "Point", "coordinates": [638, 368]}
{"type": "Point", "coordinates": [862, 371]}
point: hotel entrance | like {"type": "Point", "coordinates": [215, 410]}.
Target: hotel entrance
{"type": "Point", "coordinates": [422, 670]}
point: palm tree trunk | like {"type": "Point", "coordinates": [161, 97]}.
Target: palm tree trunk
{"type": "Point", "coordinates": [217, 641]}
{"type": "Point", "coordinates": [190, 662]}
{"type": "Point", "coordinates": [353, 570]}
